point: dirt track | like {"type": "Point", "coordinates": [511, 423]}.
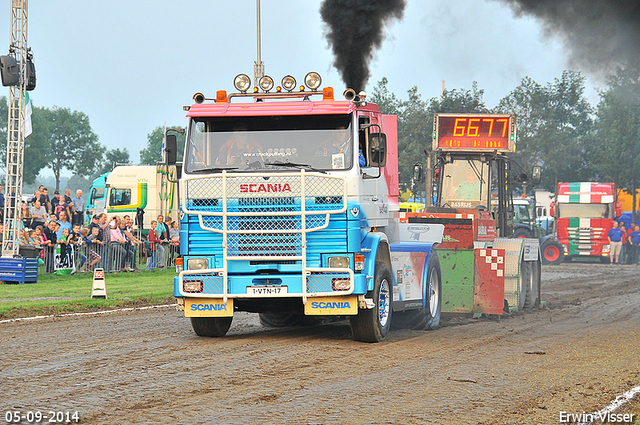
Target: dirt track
{"type": "Point", "coordinates": [149, 367]}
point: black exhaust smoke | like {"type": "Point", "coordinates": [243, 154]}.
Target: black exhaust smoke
{"type": "Point", "coordinates": [355, 29]}
{"type": "Point", "coordinates": [599, 34]}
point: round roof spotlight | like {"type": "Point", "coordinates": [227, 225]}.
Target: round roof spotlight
{"type": "Point", "coordinates": [242, 82]}
{"type": "Point", "coordinates": [198, 98]}
{"type": "Point", "coordinates": [266, 83]}
{"type": "Point", "coordinates": [313, 80]}
{"type": "Point", "coordinates": [289, 83]}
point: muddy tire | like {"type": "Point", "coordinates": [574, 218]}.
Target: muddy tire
{"type": "Point", "coordinates": [372, 325]}
{"type": "Point", "coordinates": [428, 317]}
{"type": "Point", "coordinates": [523, 284]}
{"type": "Point", "coordinates": [211, 326]}
{"type": "Point", "coordinates": [533, 290]}
{"type": "Point", "coordinates": [552, 252]}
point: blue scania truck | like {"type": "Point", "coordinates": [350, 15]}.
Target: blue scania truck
{"type": "Point", "coordinates": [289, 208]}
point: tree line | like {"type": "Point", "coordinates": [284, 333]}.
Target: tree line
{"type": "Point", "coordinates": [63, 140]}
{"type": "Point", "coordinates": [557, 128]}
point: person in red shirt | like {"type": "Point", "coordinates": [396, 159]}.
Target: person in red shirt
{"type": "Point", "coordinates": [153, 240]}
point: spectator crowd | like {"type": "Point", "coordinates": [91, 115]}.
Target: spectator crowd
{"type": "Point", "coordinates": [56, 228]}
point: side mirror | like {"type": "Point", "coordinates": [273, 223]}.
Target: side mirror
{"type": "Point", "coordinates": [171, 148]}
{"type": "Point", "coordinates": [536, 174]}
{"type": "Point", "coordinates": [618, 209]}
{"type": "Point", "coordinates": [552, 209]}
{"type": "Point", "coordinates": [377, 149]}
{"type": "Point", "coordinates": [417, 173]}
{"type": "Point", "coordinates": [9, 70]}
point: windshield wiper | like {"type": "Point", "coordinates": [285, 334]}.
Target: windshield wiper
{"type": "Point", "coordinates": [295, 165]}
{"type": "Point", "coordinates": [213, 169]}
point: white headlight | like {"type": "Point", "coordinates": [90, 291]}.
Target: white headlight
{"type": "Point", "coordinates": [288, 83]}
{"type": "Point", "coordinates": [339, 262]}
{"type": "Point", "coordinates": [312, 80]}
{"type": "Point", "coordinates": [242, 82]}
{"type": "Point", "coordinates": [197, 264]}
{"type": "Point", "coordinates": [266, 83]}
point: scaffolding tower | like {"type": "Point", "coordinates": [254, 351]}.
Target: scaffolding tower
{"type": "Point", "coordinates": [15, 133]}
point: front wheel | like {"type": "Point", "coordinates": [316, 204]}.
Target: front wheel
{"type": "Point", "coordinates": [552, 252]}
{"type": "Point", "coordinates": [211, 326]}
{"type": "Point", "coordinates": [372, 325]}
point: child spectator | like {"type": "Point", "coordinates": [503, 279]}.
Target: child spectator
{"type": "Point", "coordinates": [66, 250]}
{"type": "Point", "coordinates": [23, 237]}
{"type": "Point", "coordinates": [36, 240]}
{"type": "Point", "coordinates": [174, 235]}
{"type": "Point", "coordinates": [32, 237]}
{"type": "Point", "coordinates": [77, 241]}
{"type": "Point", "coordinates": [95, 245]}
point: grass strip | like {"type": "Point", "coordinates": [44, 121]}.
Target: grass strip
{"type": "Point", "coordinates": [54, 294]}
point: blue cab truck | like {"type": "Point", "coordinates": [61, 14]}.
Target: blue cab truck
{"type": "Point", "coordinates": [289, 209]}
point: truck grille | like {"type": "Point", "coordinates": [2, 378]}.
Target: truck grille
{"type": "Point", "coordinates": [265, 216]}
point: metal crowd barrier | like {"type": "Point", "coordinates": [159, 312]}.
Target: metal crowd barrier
{"type": "Point", "coordinates": [113, 257]}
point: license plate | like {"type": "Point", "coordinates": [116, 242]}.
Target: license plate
{"type": "Point", "coordinates": [584, 246]}
{"type": "Point", "coordinates": [266, 290]}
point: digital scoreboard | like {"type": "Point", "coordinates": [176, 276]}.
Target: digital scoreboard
{"type": "Point", "coordinates": [474, 132]}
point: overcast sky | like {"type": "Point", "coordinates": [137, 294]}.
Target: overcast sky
{"type": "Point", "coordinates": [132, 65]}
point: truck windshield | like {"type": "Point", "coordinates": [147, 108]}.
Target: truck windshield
{"type": "Point", "coordinates": [584, 211]}
{"type": "Point", "coordinates": [269, 143]}
{"type": "Point", "coordinates": [464, 184]}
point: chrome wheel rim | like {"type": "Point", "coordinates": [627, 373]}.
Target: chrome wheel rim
{"type": "Point", "coordinates": [434, 294]}
{"type": "Point", "coordinates": [383, 303]}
